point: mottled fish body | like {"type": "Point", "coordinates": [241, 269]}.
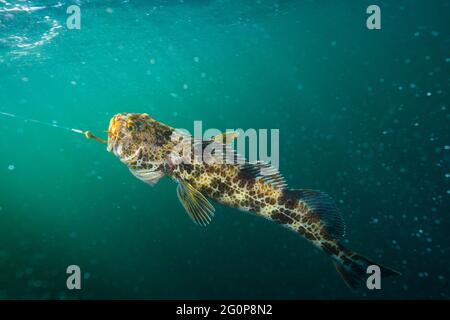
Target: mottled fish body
{"type": "Point", "coordinates": [153, 150]}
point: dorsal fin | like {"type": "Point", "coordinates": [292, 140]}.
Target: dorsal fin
{"type": "Point", "coordinates": [265, 172]}
{"type": "Point", "coordinates": [224, 153]}
{"type": "Point", "coordinates": [225, 137]}
{"type": "Point", "coordinates": [324, 206]}
{"type": "Point", "coordinates": [218, 152]}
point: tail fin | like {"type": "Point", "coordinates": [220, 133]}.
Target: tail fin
{"type": "Point", "coordinates": [353, 269]}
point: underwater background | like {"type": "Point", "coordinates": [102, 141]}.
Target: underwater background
{"type": "Point", "coordinates": [363, 115]}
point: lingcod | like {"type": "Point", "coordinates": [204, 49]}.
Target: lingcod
{"type": "Point", "coordinates": [152, 150]}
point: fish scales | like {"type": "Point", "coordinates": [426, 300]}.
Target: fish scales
{"type": "Point", "coordinates": [210, 170]}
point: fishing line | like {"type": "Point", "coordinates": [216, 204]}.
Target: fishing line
{"type": "Point", "coordinates": [88, 134]}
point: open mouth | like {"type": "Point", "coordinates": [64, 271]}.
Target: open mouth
{"type": "Point", "coordinates": [112, 142]}
{"type": "Point", "coordinates": [113, 133]}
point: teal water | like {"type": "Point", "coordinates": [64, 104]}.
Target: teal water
{"type": "Point", "coordinates": [363, 115]}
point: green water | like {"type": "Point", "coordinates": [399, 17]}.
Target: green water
{"type": "Point", "coordinates": [363, 115]}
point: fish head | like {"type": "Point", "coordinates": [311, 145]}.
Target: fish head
{"type": "Point", "coordinates": [138, 138]}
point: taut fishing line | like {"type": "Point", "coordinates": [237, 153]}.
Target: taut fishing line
{"type": "Point", "coordinates": [88, 134]}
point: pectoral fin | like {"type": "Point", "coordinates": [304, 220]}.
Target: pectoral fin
{"type": "Point", "coordinates": [198, 207]}
{"type": "Point", "coordinates": [148, 176]}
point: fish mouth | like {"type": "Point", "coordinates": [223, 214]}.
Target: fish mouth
{"type": "Point", "coordinates": [112, 143]}
{"type": "Point", "coordinates": [114, 146]}
{"type": "Point", "coordinates": [113, 133]}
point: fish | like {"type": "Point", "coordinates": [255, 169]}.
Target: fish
{"type": "Point", "coordinates": [153, 150]}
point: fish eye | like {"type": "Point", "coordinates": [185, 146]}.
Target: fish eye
{"type": "Point", "coordinates": [130, 126]}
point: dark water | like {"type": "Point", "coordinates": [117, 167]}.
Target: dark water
{"type": "Point", "coordinates": [363, 115]}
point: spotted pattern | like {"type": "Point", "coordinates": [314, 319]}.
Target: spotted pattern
{"type": "Point", "coordinates": [229, 185]}
{"type": "Point", "coordinates": [144, 143]}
